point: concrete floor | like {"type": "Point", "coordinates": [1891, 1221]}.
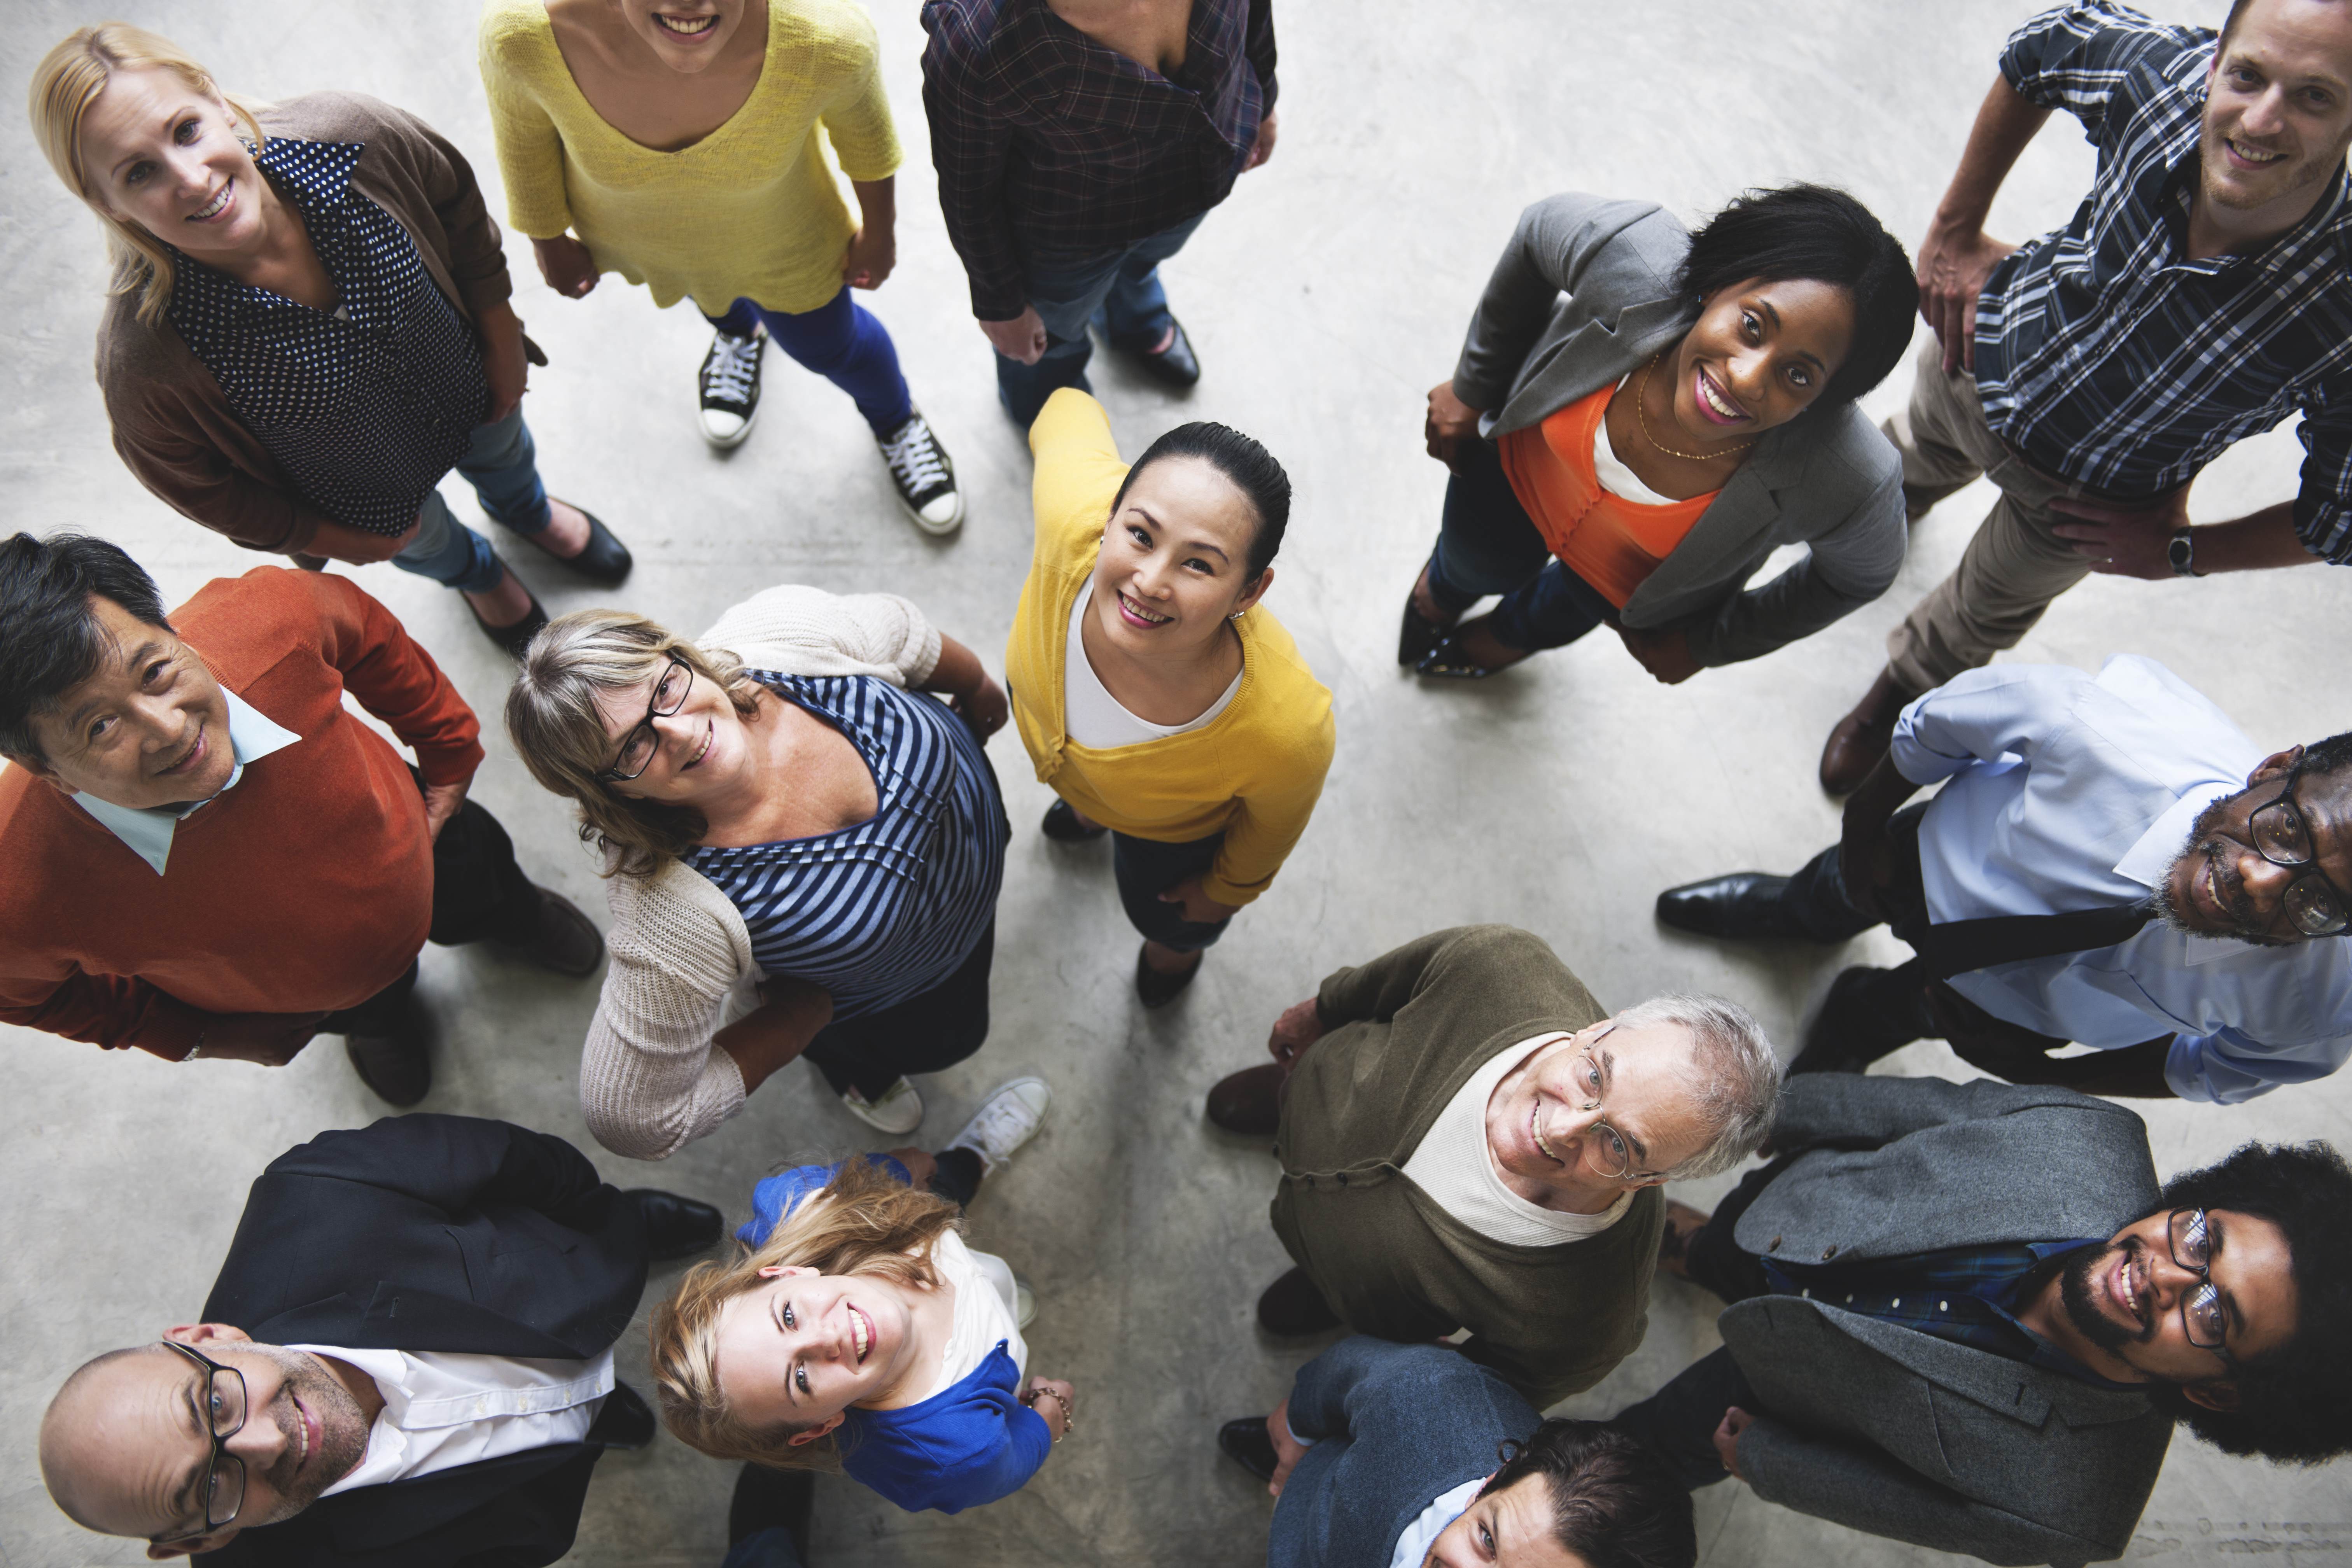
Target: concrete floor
{"type": "Point", "coordinates": [1326, 297]}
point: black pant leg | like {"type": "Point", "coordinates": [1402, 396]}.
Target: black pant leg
{"type": "Point", "coordinates": [479, 892]}
{"type": "Point", "coordinates": [958, 1176]}
{"type": "Point", "coordinates": [1678, 1421]}
{"type": "Point", "coordinates": [923, 1033]}
{"type": "Point", "coordinates": [379, 1015]}
{"type": "Point", "coordinates": [1144, 868]}
{"type": "Point", "coordinates": [1712, 1261]}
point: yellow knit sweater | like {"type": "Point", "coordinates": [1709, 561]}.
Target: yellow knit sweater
{"type": "Point", "coordinates": [751, 210]}
{"type": "Point", "coordinates": [1254, 771]}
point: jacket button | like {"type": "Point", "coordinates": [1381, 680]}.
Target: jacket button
{"type": "Point", "coordinates": [1829, 1252]}
{"type": "Point", "coordinates": [1343, 1178]}
{"type": "Point", "coordinates": [1775, 1246]}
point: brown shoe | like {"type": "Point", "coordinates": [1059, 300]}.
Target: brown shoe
{"type": "Point", "coordinates": [1294, 1308]}
{"type": "Point", "coordinates": [1249, 1102]}
{"type": "Point", "coordinates": [1863, 736]}
{"type": "Point", "coordinates": [396, 1064]}
{"type": "Point", "coordinates": [1683, 1222]}
{"type": "Point", "coordinates": [567, 942]}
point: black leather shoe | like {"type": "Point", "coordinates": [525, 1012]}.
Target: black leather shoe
{"type": "Point", "coordinates": [1744, 904]}
{"type": "Point", "coordinates": [603, 559]}
{"type": "Point", "coordinates": [511, 640]}
{"type": "Point", "coordinates": [674, 1227]}
{"type": "Point", "coordinates": [1294, 1308]}
{"type": "Point", "coordinates": [771, 1499]}
{"type": "Point", "coordinates": [1154, 989]}
{"type": "Point", "coordinates": [1418, 638]}
{"type": "Point", "coordinates": [1247, 1443]}
{"type": "Point", "coordinates": [567, 942]}
{"type": "Point", "coordinates": [1249, 1102]}
{"type": "Point", "coordinates": [396, 1064]}
{"type": "Point", "coordinates": [1175, 365]}
{"type": "Point", "coordinates": [1868, 1013]}
{"type": "Point", "coordinates": [1061, 824]}
{"type": "Point", "coordinates": [624, 1422]}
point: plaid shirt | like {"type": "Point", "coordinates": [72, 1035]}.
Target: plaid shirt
{"type": "Point", "coordinates": [2106, 357]}
{"type": "Point", "coordinates": [1050, 145]}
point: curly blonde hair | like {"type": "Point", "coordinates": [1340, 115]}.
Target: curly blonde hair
{"type": "Point", "coordinates": [70, 79]}
{"type": "Point", "coordinates": [863, 1221]}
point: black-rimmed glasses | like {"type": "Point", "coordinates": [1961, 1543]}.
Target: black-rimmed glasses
{"type": "Point", "coordinates": [638, 749]}
{"type": "Point", "coordinates": [224, 1406]}
{"type": "Point", "coordinates": [2315, 905]}
{"type": "Point", "coordinates": [2201, 1312]}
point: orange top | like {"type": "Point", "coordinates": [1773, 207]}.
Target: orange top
{"type": "Point", "coordinates": [1611, 543]}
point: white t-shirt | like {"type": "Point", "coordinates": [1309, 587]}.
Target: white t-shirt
{"type": "Point", "coordinates": [443, 1409]}
{"type": "Point", "coordinates": [983, 1311]}
{"type": "Point", "coordinates": [1423, 1533]}
{"type": "Point", "coordinates": [1096, 720]}
{"type": "Point", "coordinates": [1455, 1167]}
{"type": "Point", "coordinates": [1615, 477]}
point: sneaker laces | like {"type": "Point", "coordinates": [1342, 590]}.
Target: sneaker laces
{"type": "Point", "coordinates": [914, 459]}
{"type": "Point", "coordinates": [732, 369]}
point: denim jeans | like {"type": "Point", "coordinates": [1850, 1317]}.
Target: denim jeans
{"type": "Point", "coordinates": [1119, 292]}
{"type": "Point", "coordinates": [1145, 868]}
{"type": "Point", "coordinates": [843, 342]}
{"type": "Point", "coordinates": [503, 464]}
{"type": "Point", "coordinates": [769, 1548]}
{"type": "Point", "coordinates": [1488, 544]}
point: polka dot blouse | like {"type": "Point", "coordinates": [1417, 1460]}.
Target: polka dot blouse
{"type": "Point", "coordinates": [366, 405]}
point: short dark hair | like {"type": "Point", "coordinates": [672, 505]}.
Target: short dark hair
{"type": "Point", "coordinates": [1614, 1503]}
{"type": "Point", "coordinates": [51, 640]}
{"type": "Point", "coordinates": [2328, 757]}
{"type": "Point", "coordinates": [1821, 233]}
{"type": "Point", "coordinates": [2291, 1401]}
{"type": "Point", "coordinates": [1250, 467]}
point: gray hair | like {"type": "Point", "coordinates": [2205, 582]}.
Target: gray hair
{"type": "Point", "coordinates": [1738, 1083]}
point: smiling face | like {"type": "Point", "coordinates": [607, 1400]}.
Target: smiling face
{"type": "Point", "coordinates": [1175, 561]}
{"type": "Point", "coordinates": [806, 1346]}
{"type": "Point", "coordinates": [162, 157]}
{"type": "Point", "coordinates": [2124, 1298]}
{"type": "Point", "coordinates": [2220, 885]}
{"type": "Point", "coordinates": [702, 749]}
{"type": "Point", "coordinates": [1566, 1119]}
{"type": "Point", "coordinates": [1757, 356]}
{"type": "Point", "coordinates": [687, 34]}
{"type": "Point", "coordinates": [1511, 1528]}
{"type": "Point", "coordinates": [2278, 108]}
{"type": "Point", "coordinates": [149, 729]}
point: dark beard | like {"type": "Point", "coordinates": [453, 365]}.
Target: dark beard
{"type": "Point", "coordinates": [2074, 1295]}
{"type": "Point", "coordinates": [342, 1429]}
{"type": "Point", "coordinates": [2206, 842]}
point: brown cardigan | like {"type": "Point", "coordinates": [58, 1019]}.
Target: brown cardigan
{"type": "Point", "coordinates": [173, 424]}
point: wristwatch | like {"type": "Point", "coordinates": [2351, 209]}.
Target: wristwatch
{"type": "Point", "coordinates": [2182, 552]}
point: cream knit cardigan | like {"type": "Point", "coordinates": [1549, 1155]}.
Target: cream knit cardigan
{"type": "Point", "coordinates": [650, 1082]}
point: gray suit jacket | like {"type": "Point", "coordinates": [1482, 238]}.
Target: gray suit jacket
{"type": "Point", "coordinates": [1583, 296]}
{"type": "Point", "coordinates": [1899, 1433]}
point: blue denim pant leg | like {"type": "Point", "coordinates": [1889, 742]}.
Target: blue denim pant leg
{"type": "Point", "coordinates": [769, 1548]}
{"type": "Point", "coordinates": [1145, 868]}
{"type": "Point", "coordinates": [449, 553]}
{"type": "Point", "coordinates": [841, 341]}
{"type": "Point", "coordinates": [503, 464]}
{"type": "Point", "coordinates": [1488, 543]}
{"type": "Point", "coordinates": [1119, 291]}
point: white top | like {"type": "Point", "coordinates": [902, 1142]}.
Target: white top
{"type": "Point", "coordinates": [1615, 477]}
{"type": "Point", "coordinates": [442, 1410]}
{"type": "Point", "coordinates": [1455, 1167]}
{"type": "Point", "coordinates": [1419, 1536]}
{"type": "Point", "coordinates": [2068, 792]}
{"type": "Point", "coordinates": [251, 737]}
{"type": "Point", "coordinates": [1096, 720]}
{"type": "Point", "coordinates": [984, 1311]}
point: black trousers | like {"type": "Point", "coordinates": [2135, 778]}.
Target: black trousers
{"type": "Point", "coordinates": [923, 1033]}
{"type": "Point", "coordinates": [1815, 902]}
{"type": "Point", "coordinates": [479, 894]}
{"type": "Point", "coordinates": [1145, 868]}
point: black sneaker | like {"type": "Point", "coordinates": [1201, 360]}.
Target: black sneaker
{"type": "Point", "coordinates": [924, 474]}
{"type": "Point", "coordinates": [730, 386]}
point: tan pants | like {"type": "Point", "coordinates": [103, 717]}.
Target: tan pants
{"type": "Point", "coordinates": [2013, 567]}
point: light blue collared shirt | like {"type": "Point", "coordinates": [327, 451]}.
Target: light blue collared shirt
{"type": "Point", "coordinates": [2072, 793]}
{"type": "Point", "coordinates": [148, 830]}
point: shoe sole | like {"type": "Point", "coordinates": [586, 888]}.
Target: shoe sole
{"type": "Point", "coordinates": [879, 1125]}
{"type": "Point", "coordinates": [728, 444]}
{"type": "Point", "coordinates": [936, 529]}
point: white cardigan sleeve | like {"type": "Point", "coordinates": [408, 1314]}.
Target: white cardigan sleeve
{"type": "Point", "coordinates": [800, 630]}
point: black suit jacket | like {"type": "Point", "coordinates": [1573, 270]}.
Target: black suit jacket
{"type": "Point", "coordinates": [435, 1233]}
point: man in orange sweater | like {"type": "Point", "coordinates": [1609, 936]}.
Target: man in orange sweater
{"type": "Point", "coordinates": [205, 855]}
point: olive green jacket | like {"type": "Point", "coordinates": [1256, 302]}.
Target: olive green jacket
{"type": "Point", "coordinates": [1406, 1032]}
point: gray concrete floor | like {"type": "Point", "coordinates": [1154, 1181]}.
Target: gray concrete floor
{"type": "Point", "coordinates": [1326, 297]}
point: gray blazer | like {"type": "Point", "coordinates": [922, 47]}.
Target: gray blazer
{"type": "Point", "coordinates": [1583, 296]}
{"type": "Point", "coordinates": [1899, 1433]}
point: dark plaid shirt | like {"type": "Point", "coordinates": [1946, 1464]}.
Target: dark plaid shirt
{"type": "Point", "coordinates": [1969, 1295]}
{"type": "Point", "coordinates": [2103, 355]}
{"type": "Point", "coordinates": [1050, 146]}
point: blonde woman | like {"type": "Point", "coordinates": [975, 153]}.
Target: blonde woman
{"type": "Point", "coordinates": [309, 325]}
{"type": "Point", "coordinates": [857, 1329]}
{"type": "Point", "coordinates": [804, 851]}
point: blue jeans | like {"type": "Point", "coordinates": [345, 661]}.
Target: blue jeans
{"type": "Point", "coordinates": [1145, 868]}
{"type": "Point", "coordinates": [503, 464]}
{"type": "Point", "coordinates": [771, 1548]}
{"type": "Point", "coordinates": [1119, 292]}
{"type": "Point", "coordinates": [841, 342]}
{"type": "Point", "coordinates": [1488, 544]}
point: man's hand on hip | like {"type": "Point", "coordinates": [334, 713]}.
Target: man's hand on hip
{"type": "Point", "coordinates": [2125, 539]}
{"type": "Point", "coordinates": [1955, 262]}
{"type": "Point", "coordinates": [265, 1039]}
{"type": "Point", "coordinates": [1021, 338]}
{"type": "Point", "coordinates": [1300, 1025]}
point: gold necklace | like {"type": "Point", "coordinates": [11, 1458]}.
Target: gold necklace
{"type": "Point", "coordinates": [1641, 412]}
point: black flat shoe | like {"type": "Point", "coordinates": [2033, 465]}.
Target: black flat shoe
{"type": "Point", "coordinates": [675, 1226]}
{"type": "Point", "coordinates": [1175, 365]}
{"type": "Point", "coordinates": [1061, 824]}
{"type": "Point", "coordinates": [1745, 904]}
{"type": "Point", "coordinates": [511, 640]}
{"type": "Point", "coordinates": [624, 1422]}
{"type": "Point", "coordinates": [1154, 989]}
{"type": "Point", "coordinates": [603, 559]}
{"type": "Point", "coordinates": [771, 1499]}
{"type": "Point", "coordinates": [1449, 661]}
{"type": "Point", "coordinates": [1418, 638]}
{"type": "Point", "coordinates": [1248, 1443]}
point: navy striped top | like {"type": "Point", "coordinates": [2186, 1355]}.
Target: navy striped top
{"type": "Point", "coordinates": [885, 910]}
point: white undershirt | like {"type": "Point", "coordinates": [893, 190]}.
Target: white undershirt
{"type": "Point", "coordinates": [1423, 1533]}
{"type": "Point", "coordinates": [443, 1409]}
{"type": "Point", "coordinates": [1615, 477]}
{"type": "Point", "coordinates": [1454, 1165]}
{"type": "Point", "coordinates": [1096, 720]}
{"type": "Point", "coordinates": [983, 1311]}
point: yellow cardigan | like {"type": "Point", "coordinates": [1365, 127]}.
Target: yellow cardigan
{"type": "Point", "coordinates": [1254, 771]}
{"type": "Point", "coordinates": [750, 210]}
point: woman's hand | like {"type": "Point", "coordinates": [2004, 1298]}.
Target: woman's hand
{"type": "Point", "coordinates": [354, 548]}
{"type": "Point", "coordinates": [1451, 424]}
{"type": "Point", "coordinates": [1288, 1450]}
{"type": "Point", "coordinates": [503, 363]}
{"type": "Point", "coordinates": [1199, 907]}
{"type": "Point", "coordinates": [1665, 655]}
{"type": "Point", "coordinates": [566, 264]}
{"type": "Point", "coordinates": [920, 1166]}
{"type": "Point", "coordinates": [265, 1039]}
{"type": "Point", "coordinates": [1300, 1025]}
{"type": "Point", "coordinates": [971, 691]}
{"type": "Point", "coordinates": [984, 707]}
{"type": "Point", "coordinates": [1054, 1403]}
{"type": "Point", "coordinates": [1262, 148]}
{"type": "Point", "coordinates": [1021, 338]}
{"type": "Point", "coordinates": [873, 254]}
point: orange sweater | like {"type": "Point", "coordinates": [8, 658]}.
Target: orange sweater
{"type": "Point", "coordinates": [1612, 542]}
{"type": "Point", "coordinates": [309, 887]}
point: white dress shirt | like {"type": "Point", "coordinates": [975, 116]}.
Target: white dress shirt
{"type": "Point", "coordinates": [148, 831]}
{"type": "Point", "coordinates": [1454, 1166]}
{"type": "Point", "coordinates": [442, 1409]}
{"type": "Point", "coordinates": [1096, 720]}
{"type": "Point", "coordinates": [1419, 1536]}
{"type": "Point", "coordinates": [2069, 793]}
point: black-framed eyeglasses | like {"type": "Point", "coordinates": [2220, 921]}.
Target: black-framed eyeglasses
{"type": "Point", "coordinates": [638, 749]}
{"type": "Point", "coordinates": [2201, 1312]}
{"type": "Point", "coordinates": [2280, 832]}
{"type": "Point", "coordinates": [223, 1407]}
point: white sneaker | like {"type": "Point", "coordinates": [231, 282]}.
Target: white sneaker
{"type": "Point", "coordinates": [900, 1109]}
{"type": "Point", "coordinates": [1024, 1303]}
{"type": "Point", "coordinates": [728, 384]}
{"type": "Point", "coordinates": [923, 474]}
{"type": "Point", "coordinates": [1005, 1120]}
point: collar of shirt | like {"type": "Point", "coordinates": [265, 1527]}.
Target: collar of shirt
{"type": "Point", "coordinates": [428, 1394]}
{"type": "Point", "coordinates": [2146, 862]}
{"type": "Point", "coordinates": [315, 177]}
{"type": "Point", "coordinates": [1412, 1546]}
{"type": "Point", "coordinates": [252, 736]}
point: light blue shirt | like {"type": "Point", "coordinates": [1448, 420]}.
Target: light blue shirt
{"type": "Point", "coordinates": [148, 830]}
{"type": "Point", "coordinates": [2070, 792]}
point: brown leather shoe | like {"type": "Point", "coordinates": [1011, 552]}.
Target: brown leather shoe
{"type": "Point", "coordinates": [1294, 1308]}
{"type": "Point", "coordinates": [1683, 1222]}
{"type": "Point", "coordinates": [567, 942]}
{"type": "Point", "coordinates": [1249, 1102]}
{"type": "Point", "coordinates": [1863, 736]}
{"type": "Point", "coordinates": [396, 1064]}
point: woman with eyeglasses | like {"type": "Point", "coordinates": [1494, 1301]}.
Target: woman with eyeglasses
{"type": "Point", "coordinates": [804, 851]}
